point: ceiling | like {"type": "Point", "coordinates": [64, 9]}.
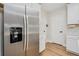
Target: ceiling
{"type": "Point", "coordinates": [52, 6]}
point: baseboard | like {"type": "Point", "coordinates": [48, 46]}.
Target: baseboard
{"type": "Point", "coordinates": [56, 43]}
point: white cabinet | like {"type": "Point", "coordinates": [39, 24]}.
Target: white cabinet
{"type": "Point", "coordinates": [72, 43]}
{"type": "Point", "coordinates": [73, 13]}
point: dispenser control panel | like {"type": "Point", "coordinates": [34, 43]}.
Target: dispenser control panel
{"type": "Point", "coordinates": [15, 34]}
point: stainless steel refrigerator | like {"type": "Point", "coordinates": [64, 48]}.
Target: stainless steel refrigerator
{"type": "Point", "coordinates": [21, 29]}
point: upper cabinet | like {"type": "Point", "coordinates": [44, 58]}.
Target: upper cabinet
{"type": "Point", "coordinates": [73, 13]}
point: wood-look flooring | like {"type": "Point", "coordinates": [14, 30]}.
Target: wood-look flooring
{"type": "Point", "coordinates": [53, 49]}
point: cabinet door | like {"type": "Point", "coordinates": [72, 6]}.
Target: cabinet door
{"type": "Point", "coordinates": [72, 44]}
{"type": "Point", "coordinates": [73, 13]}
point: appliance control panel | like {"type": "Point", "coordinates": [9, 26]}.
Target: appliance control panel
{"type": "Point", "coordinates": [15, 34]}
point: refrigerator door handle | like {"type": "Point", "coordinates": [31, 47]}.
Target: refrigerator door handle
{"type": "Point", "coordinates": [25, 33]}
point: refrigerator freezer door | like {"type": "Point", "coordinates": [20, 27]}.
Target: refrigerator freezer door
{"type": "Point", "coordinates": [14, 29]}
{"type": "Point", "coordinates": [32, 15]}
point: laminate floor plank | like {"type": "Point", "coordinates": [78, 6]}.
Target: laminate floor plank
{"type": "Point", "coordinates": [53, 49]}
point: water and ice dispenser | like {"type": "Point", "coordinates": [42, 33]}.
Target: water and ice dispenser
{"type": "Point", "coordinates": [15, 34]}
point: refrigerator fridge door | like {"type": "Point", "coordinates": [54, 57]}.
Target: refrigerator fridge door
{"type": "Point", "coordinates": [14, 29]}
{"type": "Point", "coordinates": [32, 15]}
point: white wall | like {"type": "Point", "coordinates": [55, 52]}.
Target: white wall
{"type": "Point", "coordinates": [57, 23]}
{"type": "Point", "coordinates": [42, 26]}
